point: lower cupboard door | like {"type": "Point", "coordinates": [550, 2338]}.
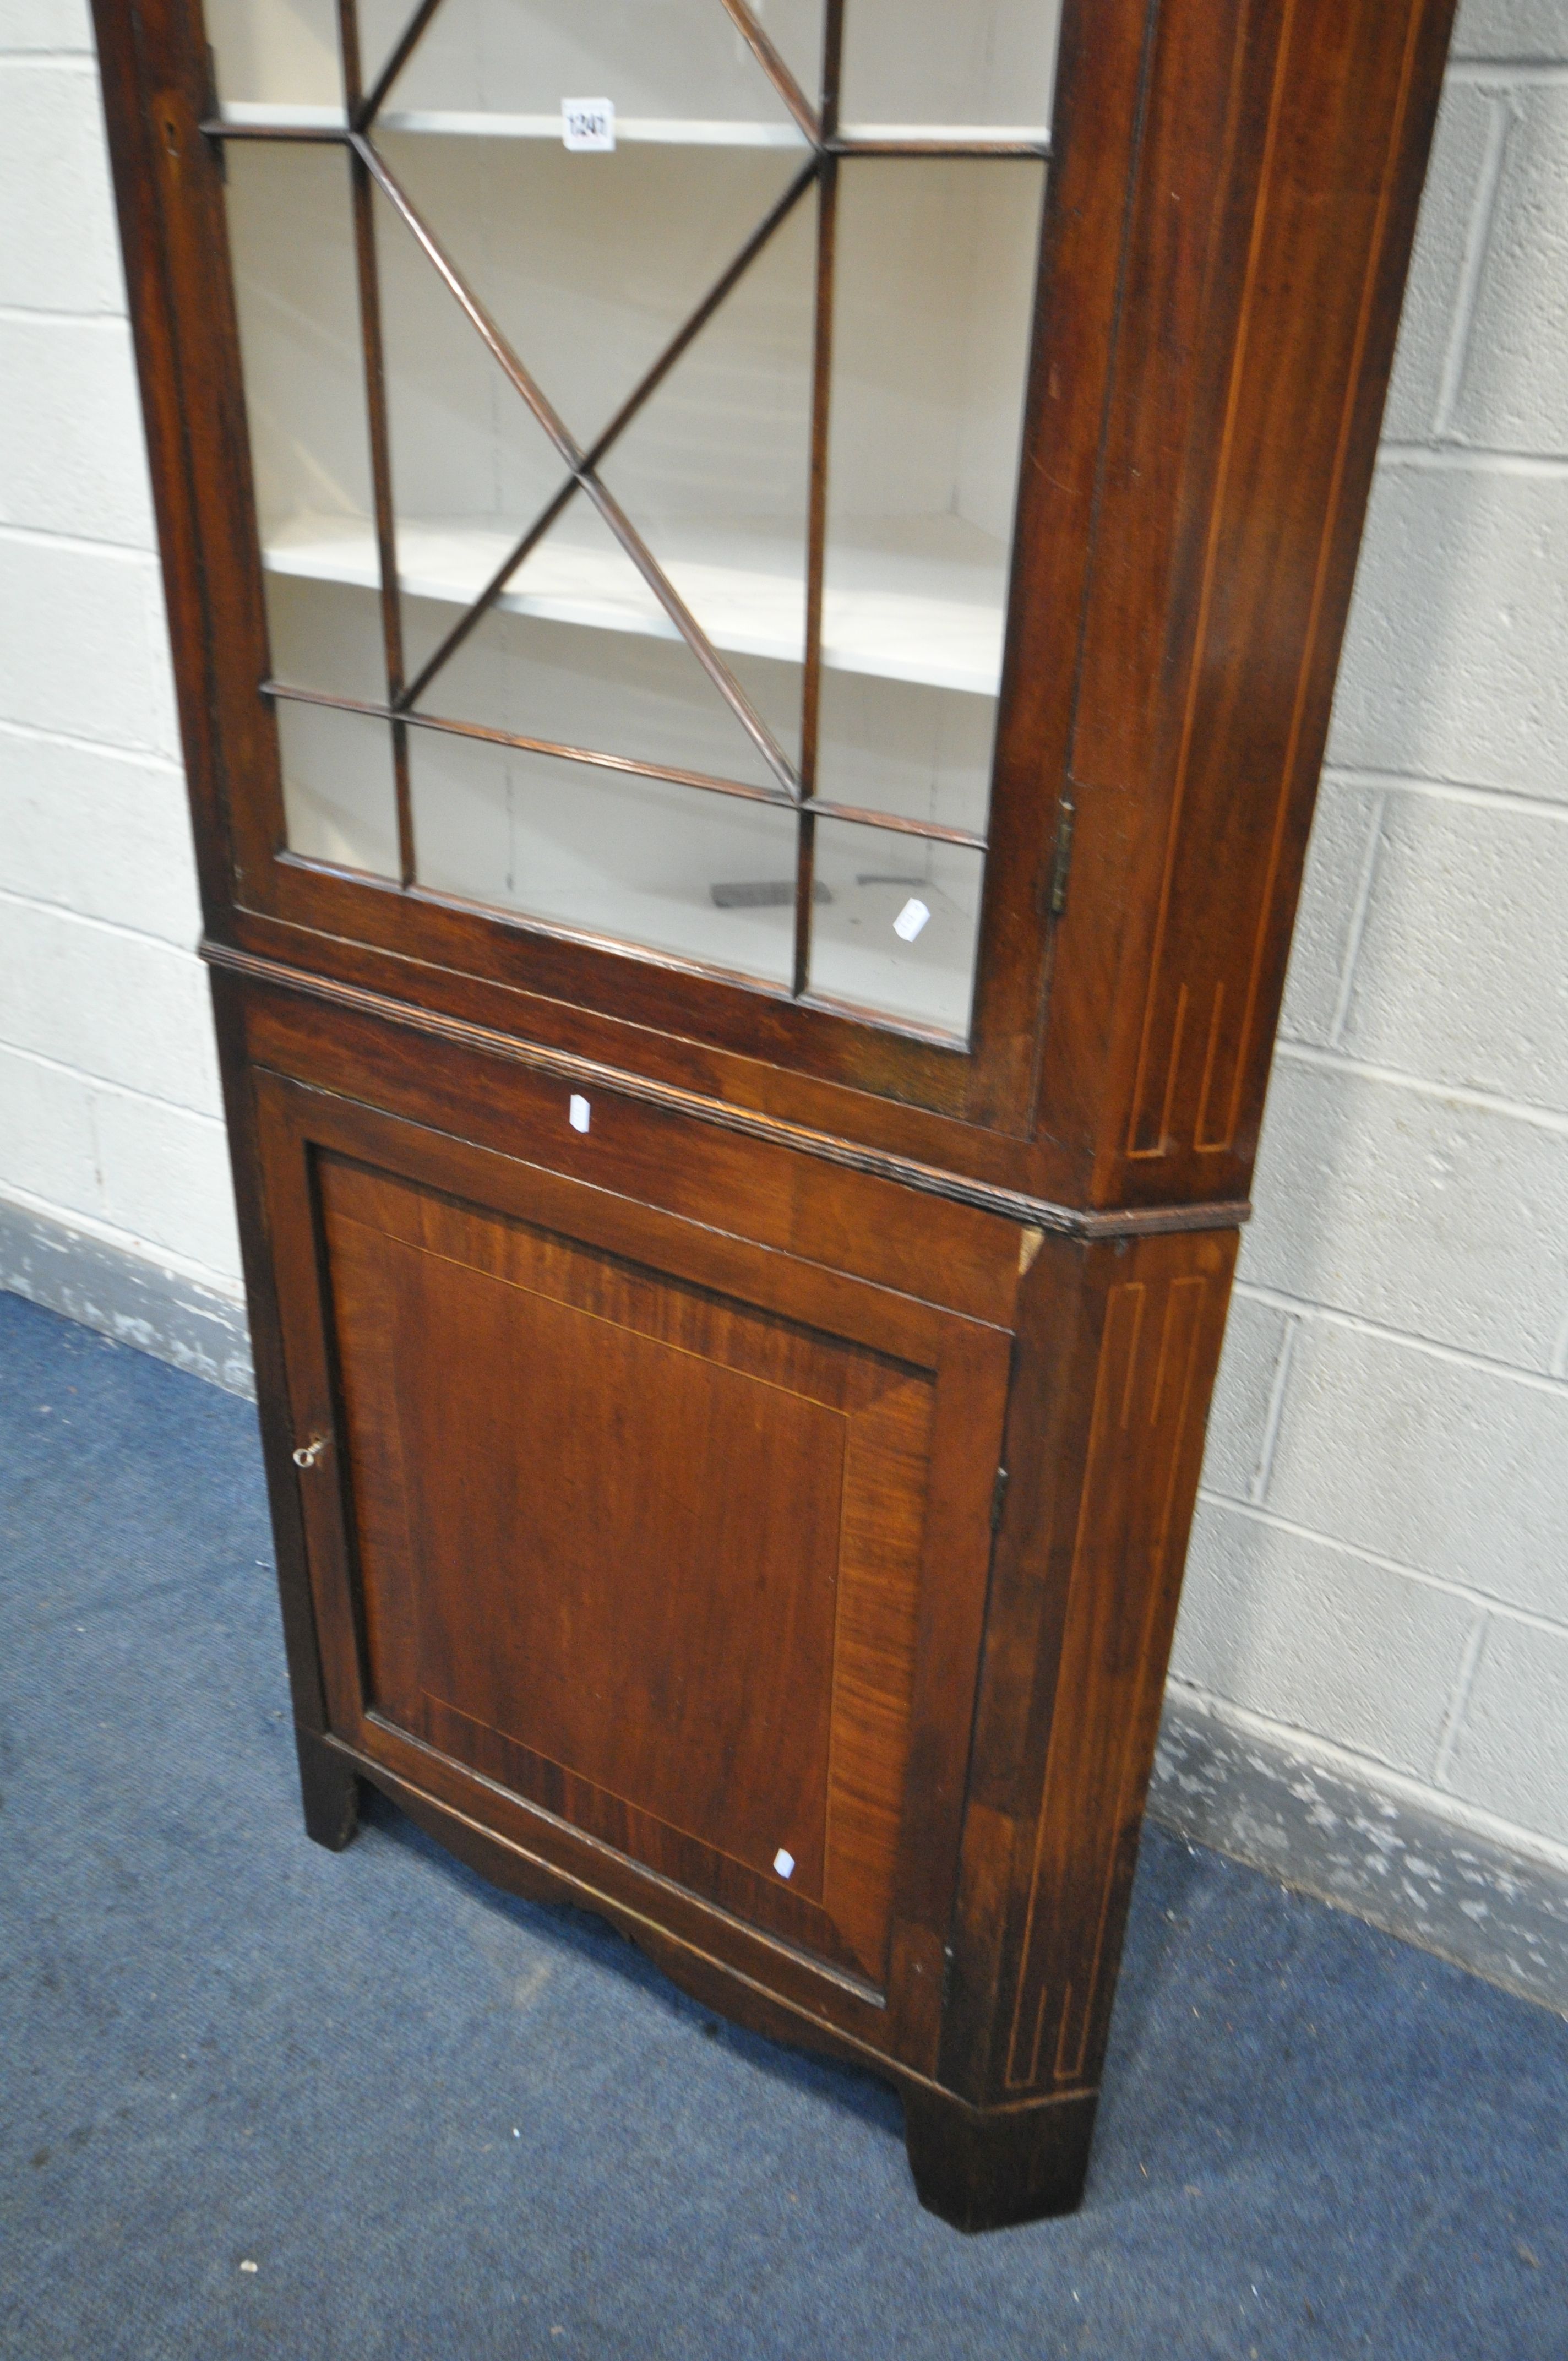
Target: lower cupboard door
{"type": "Point", "coordinates": [680, 1539]}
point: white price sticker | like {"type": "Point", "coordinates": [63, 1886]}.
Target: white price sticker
{"type": "Point", "coordinates": [910, 919]}
{"type": "Point", "coordinates": [587, 125]}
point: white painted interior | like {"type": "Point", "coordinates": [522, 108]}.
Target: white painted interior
{"type": "Point", "coordinates": [1379, 1577]}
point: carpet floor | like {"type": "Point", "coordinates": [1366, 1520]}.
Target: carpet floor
{"type": "Point", "coordinates": [255, 2099]}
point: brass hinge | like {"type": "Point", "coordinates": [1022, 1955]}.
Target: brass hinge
{"type": "Point", "coordinates": [998, 1498]}
{"type": "Point", "coordinates": [1066, 813]}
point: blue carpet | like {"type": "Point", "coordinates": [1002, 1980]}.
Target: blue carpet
{"type": "Point", "coordinates": [440, 2123]}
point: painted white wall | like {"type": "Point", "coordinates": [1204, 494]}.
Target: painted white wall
{"type": "Point", "coordinates": [109, 1104]}
{"type": "Point", "coordinates": [1380, 1569]}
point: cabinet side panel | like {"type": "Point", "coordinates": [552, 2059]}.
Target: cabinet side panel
{"type": "Point", "coordinates": [1125, 1349]}
{"type": "Point", "coordinates": [1239, 462]}
{"type": "Point", "coordinates": [120, 42]}
{"type": "Point", "coordinates": [169, 195]}
{"type": "Point", "coordinates": [278, 1437]}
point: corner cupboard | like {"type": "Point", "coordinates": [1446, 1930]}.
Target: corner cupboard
{"type": "Point", "coordinates": [755, 588]}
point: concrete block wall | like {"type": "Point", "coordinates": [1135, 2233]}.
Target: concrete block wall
{"type": "Point", "coordinates": [110, 1115]}
{"type": "Point", "coordinates": [1379, 1573]}
{"type": "Point", "coordinates": [1376, 1617]}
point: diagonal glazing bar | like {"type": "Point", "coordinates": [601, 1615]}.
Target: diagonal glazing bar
{"type": "Point", "coordinates": [620, 524]}
{"type": "Point", "coordinates": [623, 417]}
{"type": "Point", "coordinates": [773, 66]}
{"type": "Point", "coordinates": [699, 319]}
{"type": "Point", "coordinates": [691, 630]}
{"type": "Point", "coordinates": [468, 302]}
{"type": "Point", "coordinates": [475, 614]}
{"type": "Point", "coordinates": [363, 115]}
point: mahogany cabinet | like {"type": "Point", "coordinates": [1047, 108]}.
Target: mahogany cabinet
{"type": "Point", "coordinates": [755, 586]}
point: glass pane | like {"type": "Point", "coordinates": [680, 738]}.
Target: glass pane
{"type": "Point", "coordinates": [899, 747]}
{"type": "Point", "coordinates": [932, 314]}
{"type": "Point", "coordinates": [339, 795]}
{"type": "Point", "coordinates": [663, 67]}
{"type": "Point", "coordinates": [795, 30]}
{"type": "Point", "coordinates": [982, 71]}
{"type": "Point", "coordinates": [589, 265]}
{"type": "Point", "coordinates": [715, 470]}
{"type": "Point", "coordinates": [325, 634]}
{"type": "Point", "coordinates": [471, 466]}
{"type": "Point", "coordinates": [580, 653]}
{"type": "Point", "coordinates": [297, 293]}
{"type": "Point", "coordinates": [276, 59]}
{"type": "Point", "coordinates": [472, 472]}
{"type": "Point", "coordinates": [896, 931]}
{"type": "Point", "coordinates": [698, 876]}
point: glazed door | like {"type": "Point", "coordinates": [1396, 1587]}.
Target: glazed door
{"type": "Point", "coordinates": [629, 1529]}
{"type": "Point", "coordinates": [635, 398]}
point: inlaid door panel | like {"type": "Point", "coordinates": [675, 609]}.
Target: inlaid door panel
{"type": "Point", "coordinates": [650, 1554]}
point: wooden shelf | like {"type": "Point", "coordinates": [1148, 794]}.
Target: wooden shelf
{"type": "Point", "coordinates": [712, 131]}
{"type": "Point", "coordinates": [631, 129]}
{"type": "Point", "coordinates": [910, 599]}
